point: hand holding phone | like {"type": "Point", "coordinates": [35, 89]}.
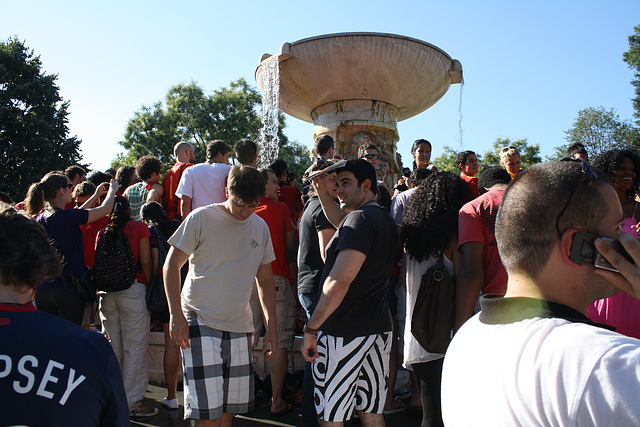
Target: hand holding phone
{"type": "Point", "coordinates": [628, 277]}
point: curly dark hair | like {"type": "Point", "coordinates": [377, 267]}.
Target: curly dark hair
{"type": "Point", "coordinates": [146, 166]}
{"type": "Point", "coordinates": [430, 219]}
{"type": "Point", "coordinates": [610, 160]}
{"type": "Point", "coordinates": [461, 157]}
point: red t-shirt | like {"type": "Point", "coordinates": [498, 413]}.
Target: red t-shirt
{"type": "Point", "coordinates": [476, 223]}
{"type": "Point", "coordinates": [276, 215]}
{"type": "Point", "coordinates": [89, 233]}
{"type": "Point", "coordinates": [291, 196]}
{"type": "Point", "coordinates": [473, 184]}
{"type": "Point", "coordinates": [170, 183]}
{"type": "Point", "coordinates": [135, 231]}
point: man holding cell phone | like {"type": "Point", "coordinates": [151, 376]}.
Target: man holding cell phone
{"type": "Point", "coordinates": [533, 356]}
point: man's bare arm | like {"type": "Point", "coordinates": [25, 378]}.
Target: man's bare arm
{"type": "Point", "coordinates": [329, 206]}
{"type": "Point", "coordinates": [185, 206]}
{"type": "Point", "coordinates": [178, 326]}
{"type": "Point", "coordinates": [469, 281]}
{"type": "Point", "coordinates": [336, 285]}
{"type": "Point", "coordinates": [324, 236]}
{"type": "Point", "coordinates": [267, 296]}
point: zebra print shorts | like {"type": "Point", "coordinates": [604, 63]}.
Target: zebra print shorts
{"type": "Point", "coordinates": [351, 373]}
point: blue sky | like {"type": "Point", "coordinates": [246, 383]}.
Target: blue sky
{"type": "Point", "coordinates": [529, 66]}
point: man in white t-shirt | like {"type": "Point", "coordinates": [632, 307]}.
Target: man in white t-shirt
{"type": "Point", "coordinates": [204, 183]}
{"type": "Point", "coordinates": [228, 247]}
{"type": "Point", "coordinates": [532, 357]}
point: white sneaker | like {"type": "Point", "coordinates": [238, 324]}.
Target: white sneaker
{"type": "Point", "coordinates": [170, 403]}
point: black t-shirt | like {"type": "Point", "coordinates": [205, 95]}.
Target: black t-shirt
{"type": "Point", "coordinates": [310, 261]}
{"type": "Point", "coordinates": [364, 310]}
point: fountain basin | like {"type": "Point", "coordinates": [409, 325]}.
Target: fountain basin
{"type": "Point", "coordinates": [406, 73]}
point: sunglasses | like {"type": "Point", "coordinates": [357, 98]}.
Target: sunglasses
{"type": "Point", "coordinates": [69, 186]}
{"type": "Point", "coordinates": [505, 149]}
{"type": "Point", "coordinates": [588, 174]}
{"type": "Point", "coordinates": [370, 156]}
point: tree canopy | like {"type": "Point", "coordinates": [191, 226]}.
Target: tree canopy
{"type": "Point", "coordinates": [33, 121]}
{"type": "Point", "coordinates": [599, 130]}
{"type": "Point", "coordinates": [632, 58]}
{"type": "Point", "coordinates": [188, 114]}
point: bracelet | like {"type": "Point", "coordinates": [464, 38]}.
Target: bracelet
{"type": "Point", "coordinates": [307, 330]}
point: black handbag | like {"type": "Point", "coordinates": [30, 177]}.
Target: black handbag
{"type": "Point", "coordinates": [433, 317]}
{"type": "Point", "coordinates": [84, 285]}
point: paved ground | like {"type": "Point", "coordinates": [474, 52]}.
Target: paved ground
{"type": "Point", "coordinates": [259, 417]}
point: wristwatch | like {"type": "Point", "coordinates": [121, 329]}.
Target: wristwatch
{"type": "Point", "coordinates": [307, 330]}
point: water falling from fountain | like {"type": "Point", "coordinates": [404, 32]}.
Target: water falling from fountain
{"type": "Point", "coordinates": [460, 114]}
{"type": "Point", "coordinates": [268, 140]}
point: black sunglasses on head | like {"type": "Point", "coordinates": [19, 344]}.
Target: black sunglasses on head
{"type": "Point", "coordinates": [587, 174]}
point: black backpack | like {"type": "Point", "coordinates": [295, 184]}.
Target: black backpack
{"type": "Point", "coordinates": [114, 268]}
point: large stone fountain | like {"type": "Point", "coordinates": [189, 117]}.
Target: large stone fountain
{"type": "Point", "coordinates": [357, 86]}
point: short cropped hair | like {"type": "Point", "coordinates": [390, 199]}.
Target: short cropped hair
{"type": "Point", "coordinates": [180, 146]}
{"type": "Point", "coordinates": [215, 147]}
{"type": "Point", "coordinates": [278, 167]}
{"type": "Point", "coordinates": [526, 222]}
{"type": "Point", "coordinates": [461, 158]}
{"type": "Point", "coordinates": [246, 183]}
{"type": "Point", "coordinates": [493, 175]}
{"type": "Point", "coordinates": [246, 151]}
{"type": "Point", "coordinates": [26, 255]}
{"type": "Point", "coordinates": [362, 150]}
{"type": "Point", "coordinates": [74, 170]}
{"type": "Point", "coordinates": [362, 170]}
{"type": "Point", "coordinates": [146, 166]}
{"type": "Point", "coordinates": [323, 143]}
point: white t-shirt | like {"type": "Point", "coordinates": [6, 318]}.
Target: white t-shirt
{"type": "Point", "coordinates": [225, 256]}
{"type": "Point", "coordinates": [412, 350]}
{"type": "Point", "coordinates": [540, 372]}
{"type": "Point", "coordinates": [204, 183]}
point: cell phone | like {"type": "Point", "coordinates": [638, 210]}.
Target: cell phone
{"type": "Point", "coordinates": [583, 251]}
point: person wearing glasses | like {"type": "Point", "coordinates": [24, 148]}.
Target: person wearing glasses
{"type": "Point", "coordinates": [510, 160]}
{"type": "Point", "coordinates": [58, 296]}
{"type": "Point", "coordinates": [532, 356]}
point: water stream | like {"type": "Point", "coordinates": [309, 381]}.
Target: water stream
{"type": "Point", "coordinates": [268, 139]}
{"type": "Point", "coordinates": [460, 115]}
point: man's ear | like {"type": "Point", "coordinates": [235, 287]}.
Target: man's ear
{"type": "Point", "coordinates": [565, 245]}
{"type": "Point", "coordinates": [366, 185]}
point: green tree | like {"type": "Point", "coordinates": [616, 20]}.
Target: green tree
{"type": "Point", "coordinates": [529, 154]}
{"type": "Point", "coordinates": [188, 114]}
{"type": "Point", "coordinates": [599, 130]}
{"type": "Point", "coordinates": [632, 58]}
{"type": "Point", "coordinates": [33, 121]}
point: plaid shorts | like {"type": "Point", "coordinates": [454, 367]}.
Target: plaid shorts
{"type": "Point", "coordinates": [218, 372]}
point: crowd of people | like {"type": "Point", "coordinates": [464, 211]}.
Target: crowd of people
{"type": "Point", "coordinates": [242, 253]}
